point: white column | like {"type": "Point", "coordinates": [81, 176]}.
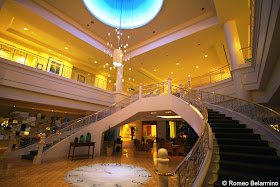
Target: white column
{"type": "Point", "coordinates": [189, 82]}
{"type": "Point", "coordinates": [181, 91]}
{"type": "Point", "coordinates": [117, 61]}
{"type": "Point", "coordinates": [163, 167]}
{"type": "Point", "coordinates": [169, 86]}
{"type": "Point", "coordinates": [233, 44]}
{"type": "Point", "coordinates": [236, 57]}
{"type": "Point", "coordinates": [38, 159]}
{"type": "Point", "coordinates": [12, 139]}
{"type": "Point", "coordinates": [140, 91]}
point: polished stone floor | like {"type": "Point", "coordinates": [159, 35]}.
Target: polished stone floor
{"type": "Point", "coordinates": [23, 173]}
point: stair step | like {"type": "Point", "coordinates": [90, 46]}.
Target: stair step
{"type": "Point", "coordinates": [216, 115]}
{"type": "Point", "coordinates": [248, 149]}
{"type": "Point", "coordinates": [220, 117]}
{"type": "Point", "coordinates": [222, 121]}
{"type": "Point", "coordinates": [237, 135]}
{"type": "Point", "coordinates": [247, 142]}
{"type": "Point", "coordinates": [213, 112]}
{"type": "Point", "coordinates": [243, 176]}
{"type": "Point", "coordinates": [252, 168]}
{"type": "Point", "coordinates": [250, 158]}
{"type": "Point", "coordinates": [231, 130]}
{"type": "Point", "coordinates": [228, 125]}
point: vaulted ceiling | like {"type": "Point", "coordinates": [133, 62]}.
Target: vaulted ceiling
{"type": "Point", "coordinates": [173, 44]}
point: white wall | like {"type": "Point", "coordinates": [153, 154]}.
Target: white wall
{"type": "Point", "coordinates": [25, 83]}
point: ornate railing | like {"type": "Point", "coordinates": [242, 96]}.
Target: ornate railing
{"type": "Point", "coordinates": [155, 89]}
{"type": "Point", "coordinates": [253, 110]}
{"type": "Point", "coordinates": [212, 77]}
{"type": "Point", "coordinates": [30, 59]}
{"type": "Point", "coordinates": [247, 54]}
{"type": "Point", "coordinates": [189, 168]}
{"type": "Point", "coordinates": [34, 137]}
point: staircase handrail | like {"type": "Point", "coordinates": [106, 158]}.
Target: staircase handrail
{"type": "Point", "coordinates": [98, 115]}
{"type": "Point", "coordinates": [35, 134]}
{"type": "Point", "coordinates": [263, 114]}
{"type": "Point", "coordinates": [189, 168]}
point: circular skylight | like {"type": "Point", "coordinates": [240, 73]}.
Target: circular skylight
{"type": "Point", "coordinates": [126, 14]}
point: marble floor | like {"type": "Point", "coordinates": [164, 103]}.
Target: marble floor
{"type": "Point", "coordinates": [23, 173]}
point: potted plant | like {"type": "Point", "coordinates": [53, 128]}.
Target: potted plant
{"type": "Point", "coordinates": [109, 134]}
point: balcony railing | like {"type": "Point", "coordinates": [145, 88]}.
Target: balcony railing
{"type": "Point", "coordinates": [53, 66]}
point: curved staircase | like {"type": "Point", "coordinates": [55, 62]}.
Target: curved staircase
{"type": "Point", "coordinates": [243, 155]}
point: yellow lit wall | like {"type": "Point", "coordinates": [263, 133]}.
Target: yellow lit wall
{"type": "Point", "coordinates": [172, 128]}
{"type": "Point", "coordinates": [125, 131]}
{"type": "Point", "coordinates": [101, 82]}
{"type": "Point", "coordinates": [154, 130]}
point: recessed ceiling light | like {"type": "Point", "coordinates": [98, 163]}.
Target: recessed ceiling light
{"type": "Point", "coordinates": [128, 78]}
{"type": "Point", "coordinates": [177, 64]}
{"type": "Point", "coordinates": [107, 64]}
{"type": "Point", "coordinates": [95, 62]}
{"type": "Point", "coordinates": [172, 73]}
{"type": "Point", "coordinates": [155, 70]}
{"type": "Point", "coordinates": [213, 70]}
{"type": "Point", "coordinates": [128, 59]}
{"type": "Point", "coordinates": [109, 34]}
{"type": "Point", "coordinates": [14, 105]}
{"type": "Point", "coordinates": [110, 68]}
{"type": "Point", "coordinates": [196, 66]}
{"type": "Point", "coordinates": [104, 66]}
{"type": "Point", "coordinates": [206, 55]}
{"type": "Point", "coordinates": [108, 75]}
{"type": "Point", "coordinates": [69, 58]}
{"type": "Point", "coordinates": [108, 43]}
{"type": "Point", "coordinates": [128, 37]}
{"type": "Point", "coordinates": [66, 47]}
{"type": "Point", "coordinates": [129, 69]}
{"type": "Point", "coordinates": [126, 44]}
{"type": "Point", "coordinates": [50, 50]}
{"type": "Point", "coordinates": [125, 51]}
{"type": "Point", "coordinates": [59, 54]}
{"type": "Point", "coordinates": [26, 29]}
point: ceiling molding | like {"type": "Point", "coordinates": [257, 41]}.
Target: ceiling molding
{"type": "Point", "coordinates": [200, 23]}
{"type": "Point", "coordinates": [47, 12]}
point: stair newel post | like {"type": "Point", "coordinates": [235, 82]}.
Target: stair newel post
{"type": "Point", "coordinates": [12, 139]}
{"type": "Point", "coordinates": [163, 167]}
{"type": "Point", "coordinates": [189, 81]}
{"type": "Point", "coordinates": [169, 86]}
{"type": "Point", "coordinates": [38, 159]}
{"type": "Point", "coordinates": [181, 90]}
{"type": "Point", "coordinates": [140, 91]}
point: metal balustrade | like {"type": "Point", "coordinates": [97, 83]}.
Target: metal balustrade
{"type": "Point", "coordinates": [250, 109]}
{"type": "Point", "coordinates": [189, 168]}
{"type": "Point", "coordinates": [36, 61]}
{"type": "Point", "coordinates": [155, 89]}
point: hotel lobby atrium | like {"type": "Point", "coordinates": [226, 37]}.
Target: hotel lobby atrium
{"type": "Point", "coordinates": [139, 93]}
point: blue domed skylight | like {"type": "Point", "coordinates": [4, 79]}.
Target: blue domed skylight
{"type": "Point", "coordinates": [133, 13]}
